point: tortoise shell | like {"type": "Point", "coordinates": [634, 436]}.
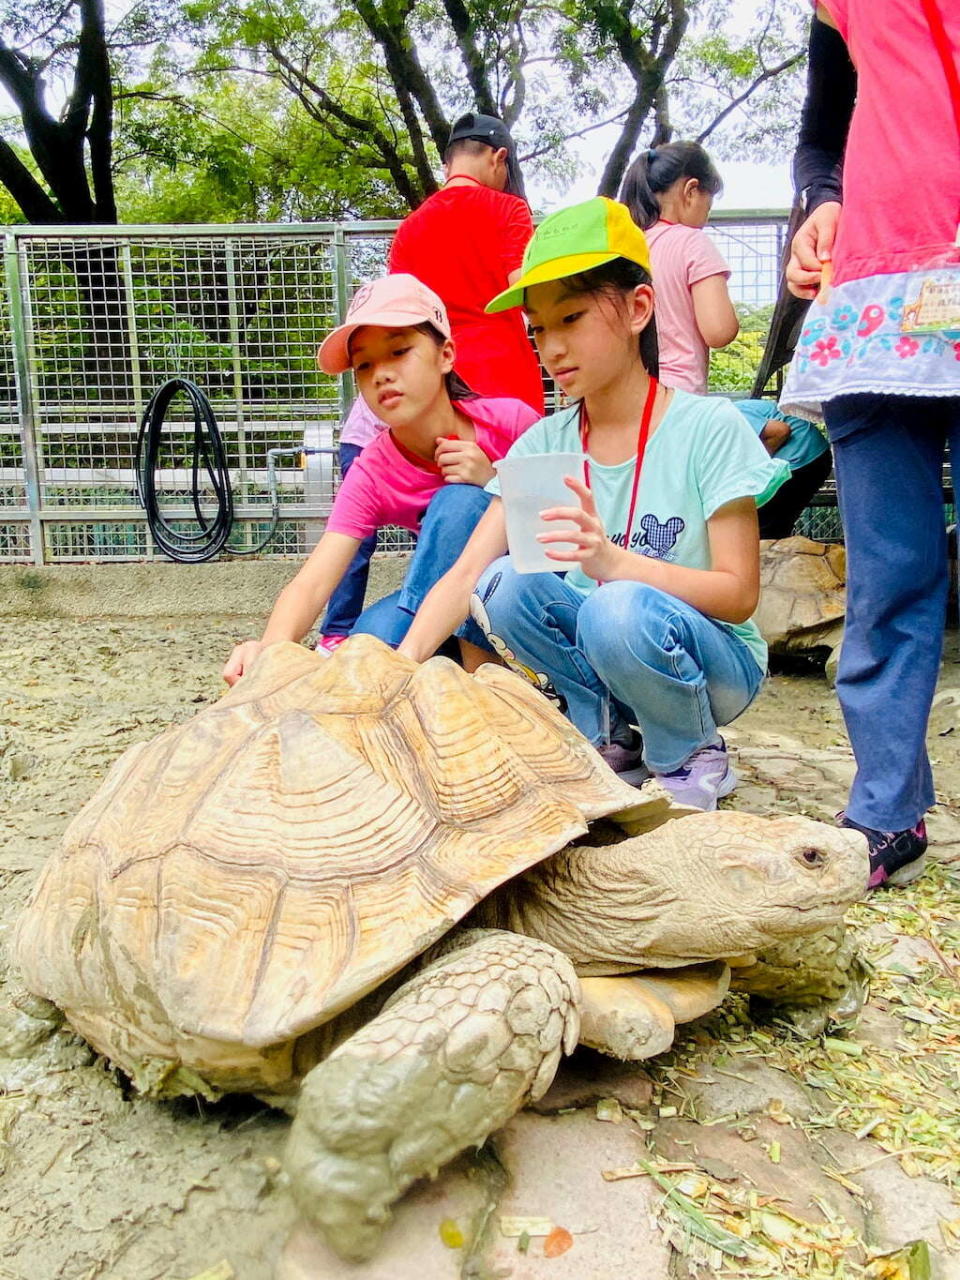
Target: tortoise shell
{"type": "Point", "coordinates": [246, 876]}
{"type": "Point", "coordinates": [802, 593]}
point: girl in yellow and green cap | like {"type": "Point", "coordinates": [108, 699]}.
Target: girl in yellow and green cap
{"type": "Point", "coordinates": [647, 620]}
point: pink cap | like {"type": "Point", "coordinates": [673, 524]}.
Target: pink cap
{"type": "Point", "coordinates": [396, 302]}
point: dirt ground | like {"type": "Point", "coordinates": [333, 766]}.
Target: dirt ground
{"type": "Point", "coordinates": [97, 1183]}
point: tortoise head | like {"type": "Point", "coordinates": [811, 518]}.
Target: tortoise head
{"type": "Point", "coordinates": [771, 878]}
{"type": "Point", "coordinates": [708, 886]}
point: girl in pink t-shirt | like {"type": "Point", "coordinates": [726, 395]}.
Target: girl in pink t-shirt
{"type": "Point", "coordinates": [669, 191]}
{"type": "Point", "coordinates": [425, 473]}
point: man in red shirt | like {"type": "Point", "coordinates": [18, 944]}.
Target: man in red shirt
{"type": "Point", "coordinates": [466, 242]}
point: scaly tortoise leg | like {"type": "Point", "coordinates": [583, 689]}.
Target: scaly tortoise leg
{"type": "Point", "coordinates": [808, 982]}
{"type": "Point", "coordinates": [452, 1056]}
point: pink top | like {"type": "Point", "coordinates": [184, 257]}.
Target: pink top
{"type": "Point", "coordinates": [362, 425]}
{"type": "Point", "coordinates": [383, 487]}
{"type": "Point", "coordinates": [681, 257]}
{"type": "Point", "coordinates": [901, 171]}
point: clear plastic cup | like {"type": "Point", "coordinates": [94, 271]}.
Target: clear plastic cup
{"type": "Point", "coordinates": [529, 485]}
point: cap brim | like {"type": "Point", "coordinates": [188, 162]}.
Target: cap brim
{"type": "Point", "coordinates": [333, 354]}
{"type": "Point", "coordinates": [557, 269]}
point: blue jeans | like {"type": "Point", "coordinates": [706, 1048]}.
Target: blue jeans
{"type": "Point", "coordinates": [627, 654]}
{"type": "Point", "coordinates": [888, 457]}
{"type": "Point", "coordinates": [344, 606]}
{"type": "Point", "coordinates": [450, 519]}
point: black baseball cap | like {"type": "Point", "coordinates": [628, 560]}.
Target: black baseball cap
{"type": "Point", "coordinates": [480, 128]}
{"type": "Point", "coordinates": [491, 130]}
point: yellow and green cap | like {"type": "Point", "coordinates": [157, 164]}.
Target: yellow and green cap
{"type": "Point", "coordinates": [573, 240]}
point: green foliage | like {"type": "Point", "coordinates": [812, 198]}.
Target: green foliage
{"type": "Point", "coordinates": [723, 57]}
{"type": "Point", "coordinates": [11, 214]}
{"type": "Point", "coordinates": [321, 109]}
{"type": "Point", "coordinates": [241, 151]}
{"type": "Point", "coordinates": [753, 61]}
{"type": "Point", "coordinates": [733, 369]}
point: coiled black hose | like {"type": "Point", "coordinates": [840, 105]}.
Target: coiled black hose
{"type": "Point", "coordinates": [209, 453]}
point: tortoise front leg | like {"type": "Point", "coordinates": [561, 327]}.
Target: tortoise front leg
{"type": "Point", "coordinates": [809, 981]}
{"type": "Point", "coordinates": [453, 1055]}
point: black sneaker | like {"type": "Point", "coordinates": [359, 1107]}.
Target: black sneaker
{"type": "Point", "coordinates": [896, 857]}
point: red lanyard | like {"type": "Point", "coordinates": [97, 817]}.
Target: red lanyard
{"type": "Point", "coordinates": [642, 437]}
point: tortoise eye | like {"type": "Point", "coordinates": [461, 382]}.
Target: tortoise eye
{"type": "Point", "coordinates": [811, 857]}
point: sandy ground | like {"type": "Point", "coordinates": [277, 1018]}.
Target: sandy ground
{"type": "Point", "coordinates": [100, 1184]}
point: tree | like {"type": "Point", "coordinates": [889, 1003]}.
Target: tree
{"type": "Point", "coordinates": [52, 48]}
{"type": "Point", "coordinates": [325, 109]}
{"type": "Point", "coordinates": [73, 176]}
{"type": "Point", "coordinates": [385, 77]}
{"type": "Point", "coordinates": [237, 149]}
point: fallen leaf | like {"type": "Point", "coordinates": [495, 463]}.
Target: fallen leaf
{"type": "Point", "coordinates": [912, 1262]}
{"type": "Point", "coordinates": [834, 1045]}
{"type": "Point", "coordinates": [222, 1271]}
{"type": "Point", "coordinates": [558, 1241]}
{"type": "Point", "coordinates": [609, 1109]}
{"type": "Point", "coordinates": [513, 1226]}
{"type": "Point", "coordinates": [450, 1234]}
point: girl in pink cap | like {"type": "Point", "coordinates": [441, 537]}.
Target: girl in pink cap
{"type": "Point", "coordinates": [425, 473]}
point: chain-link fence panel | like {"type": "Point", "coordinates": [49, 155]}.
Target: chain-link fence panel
{"type": "Point", "coordinates": [107, 318]}
{"type": "Point", "coordinates": [93, 321]}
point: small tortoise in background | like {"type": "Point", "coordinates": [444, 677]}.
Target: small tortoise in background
{"type": "Point", "coordinates": [247, 896]}
{"type": "Point", "coordinates": [803, 597]}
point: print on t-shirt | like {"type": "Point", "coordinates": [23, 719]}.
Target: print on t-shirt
{"type": "Point", "coordinates": [653, 538]}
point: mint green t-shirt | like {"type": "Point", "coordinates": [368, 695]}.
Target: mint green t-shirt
{"type": "Point", "coordinates": [702, 456]}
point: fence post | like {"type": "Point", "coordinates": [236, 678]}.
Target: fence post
{"type": "Point", "coordinates": [139, 399]}
{"type": "Point", "coordinates": [341, 278]}
{"type": "Point", "coordinates": [28, 433]}
{"type": "Point", "coordinates": [234, 320]}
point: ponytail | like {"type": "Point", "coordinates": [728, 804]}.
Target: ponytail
{"type": "Point", "coordinates": [656, 170]}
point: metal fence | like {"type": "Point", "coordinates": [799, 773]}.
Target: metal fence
{"type": "Point", "coordinates": [92, 320]}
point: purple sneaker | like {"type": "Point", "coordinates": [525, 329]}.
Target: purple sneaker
{"type": "Point", "coordinates": [896, 857]}
{"type": "Point", "coordinates": [705, 777]}
{"type": "Point", "coordinates": [626, 762]}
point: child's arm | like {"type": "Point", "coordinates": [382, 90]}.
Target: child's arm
{"type": "Point", "coordinates": [714, 313]}
{"type": "Point", "coordinates": [299, 603]}
{"type": "Point", "coordinates": [728, 591]}
{"type": "Point", "coordinates": [775, 435]}
{"type": "Point", "coordinates": [447, 605]}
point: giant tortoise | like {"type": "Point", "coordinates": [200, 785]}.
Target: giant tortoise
{"type": "Point", "coordinates": [248, 895]}
{"type": "Point", "coordinates": [803, 598]}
